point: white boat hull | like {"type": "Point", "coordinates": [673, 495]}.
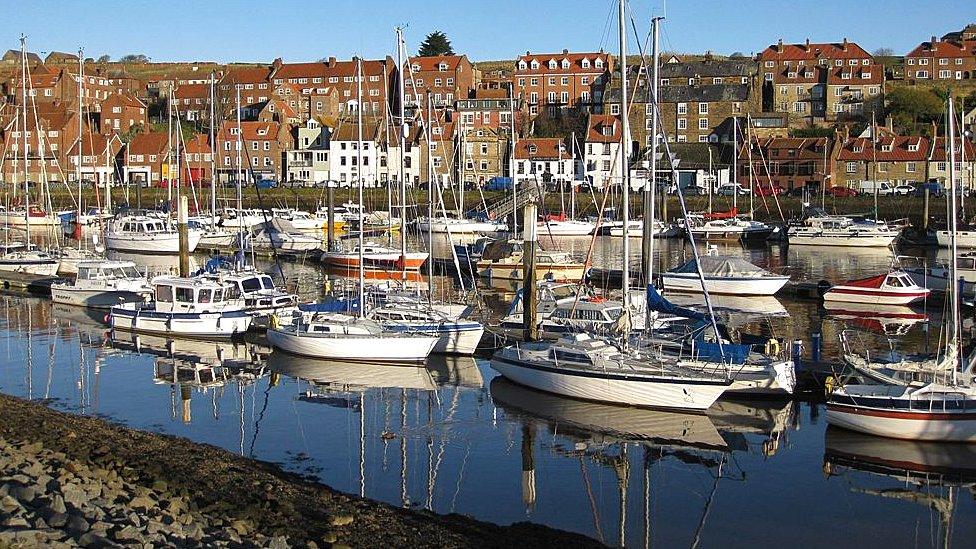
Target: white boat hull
{"type": "Point", "coordinates": [21, 220]}
{"type": "Point", "coordinates": [964, 239]}
{"type": "Point", "coordinates": [217, 239]}
{"type": "Point", "coordinates": [847, 240]}
{"type": "Point", "coordinates": [367, 348]}
{"type": "Point", "coordinates": [922, 427]}
{"type": "Point", "coordinates": [460, 226]}
{"type": "Point", "coordinates": [204, 325]}
{"type": "Point", "coordinates": [95, 299]}
{"type": "Point", "coordinates": [872, 297]}
{"type": "Point", "coordinates": [30, 267]}
{"type": "Point", "coordinates": [689, 282]}
{"type": "Point", "coordinates": [452, 339]}
{"type": "Point", "coordinates": [513, 271]}
{"type": "Point", "coordinates": [168, 243]}
{"type": "Point", "coordinates": [669, 395]}
{"type": "Point", "coordinates": [565, 228]}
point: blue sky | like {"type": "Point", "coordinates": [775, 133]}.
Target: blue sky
{"type": "Point", "coordinates": [250, 30]}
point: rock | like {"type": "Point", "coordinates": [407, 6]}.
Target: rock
{"type": "Point", "coordinates": [74, 495]}
{"type": "Point", "coordinates": [241, 526]}
{"type": "Point", "coordinates": [160, 486]}
{"type": "Point", "coordinates": [56, 520]}
{"type": "Point", "coordinates": [95, 541]}
{"type": "Point", "coordinates": [342, 520]}
{"type": "Point", "coordinates": [129, 533]}
{"type": "Point", "coordinates": [57, 504]}
{"type": "Point", "coordinates": [141, 503]}
{"type": "Point", "coordinates": [24, 494]}
{"type": "Point", "coordinates": [154, 526]}
{"type": "Point", "coordinates": [9, 504]}
{"type": "Point", "coordinates": [15, 522]}
{"type": "Point", "coordinates": [279, 542]}
{"type": "Point", "coordinates": [311, 545]}
{"type": "Point", "coordinates": [77, 525]}
{"type": "Point", "coordinates": [193, 531]}
{"type": "Point", "coordinates": [330, 538]}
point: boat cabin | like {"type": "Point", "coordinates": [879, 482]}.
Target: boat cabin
{"type": "Point", "coordinates": [142, 225]}
{"type": "Point", "coordinates": [899, 279]}
{"type": "Point", "coordinates": [107, 270]}
{"type": "Point", "coordinates": [590, 312]}
{"type": "Point", "coordinates": [192, 295]}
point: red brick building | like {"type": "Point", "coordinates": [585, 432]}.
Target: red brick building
{"type": "Point", "coordinates": [491, 108]}
{"type": "Point", "coordinates": [787, 162]}
{"type": "Point", "coordinates": [379, 79]}
{"type": "Point", "coordinates": [893, 158]}
{"type": "Point", "coordinates": [446, 78]}
{"type": "Point", "coordinates": [558, 81]}
{"type": "Point", "coordinates": [192, 102]}
{"type": "Point", "coordinates": [143, 159]}
{"type": "Point", "coordinates": [264, 144]}
{"type": "Point", "coordinates": [942, 60]}
{"type": "Point", "coordinates": [121, 112]}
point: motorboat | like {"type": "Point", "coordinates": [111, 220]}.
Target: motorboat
{"type": "Point", "coordinates": [281, 236]}
{"type": "Point", "coordinates": [102, 284]}
{"type": "Point", "coordinates": [70, 257]}
{"type": "Point", "coordinates": [212, 235]}
{"type": "Point", "coordinates": [29, 261]}
{"type": "Point", "coordinates": [454, 335]}
{"type": "Point", "coordinates": [820, 229]}
{"type": "Point", "coordinates": [503, 260]}
{"type": "Point", "coordinates": [635, 229]}
{"type": "Point", "coordinates": [729, 228]}
{"type": "Point", "coordinates": [375, 256]}
{"type": "Point", "coordinates": [590, 314]}
{"type": "Point", "coordinates": [343, 337]}
{"type": "Point", "coordinates": [585, 367]}
{"type": "Point", "coordinates": [35, 217]}
{"type": "Point", "coordinates": [258, 292]}
{"type": "Point", "coordinates": [147, 235]}
{"type": "Point", "coordinates": [893, 288]}
{"type": "Point", "coordinates": [935, 276]}
{"type": "Point", "coordinates": [244, 218]}
{"type": "Point", "coordinates": [724, 274]}
{"type": "Point", "coordinates": [452, 225]}
{"type": "Point", "coordinates": [188, 307]}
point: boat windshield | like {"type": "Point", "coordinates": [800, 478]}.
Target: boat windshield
{"type": "Point", "coordinates": [267, 283]}
{"type": "Point", "coordinates": [562, 292]}
{"type": "Point", "coordinates": [129, 271]}
{"type": "Point", "coordinates": [252, 284]}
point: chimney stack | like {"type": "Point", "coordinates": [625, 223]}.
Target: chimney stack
{"type": "Point", "coordinates": [934, 40]}
{"type": "Point", "coordinates": [779, 45]}
{"type": "Point", "coordinates": [844, 45]}
{"type": "Point", "coordinates": [807, 44]}
{"type": "Point", "coordinates": [565, 51]}
{"type": "Point", "coordinates": [332, 61]}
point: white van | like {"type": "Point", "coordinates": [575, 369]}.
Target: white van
{"type": "Point", "coordinates": [869, 187]}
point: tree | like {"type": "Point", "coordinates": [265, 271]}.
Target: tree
{"type": "Point", "coordinates": [911, 106]}
{"type": "Point", "coordinates": [435, 44]}
{"type": "Point", "coordinates": [134, 58]}
{"type": "Point", "coordinates": [104, 59]}
{"type": "Point", "coordinates": [737, 55]}
{"type": "Point", "coordinates": [884, 52]}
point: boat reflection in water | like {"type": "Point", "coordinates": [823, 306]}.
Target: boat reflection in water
{"type": "Point", "coordinates": [891, 320]}
{"type": "Point", "coordinates": [927, 473]}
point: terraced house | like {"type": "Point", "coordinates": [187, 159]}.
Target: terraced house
{"type": "Point", "coordinates": [887, 157]}
{"type": "Point", "coordinates": [263, 146]}
{"type": "Point", "coordinates": [445, 78]}
{"type": "Point", "coordinates": [378, 81]}
{"type": "Point", "coordinates": [940, 60]}
{"type": "Point", "coordinates": [561, 81]}
{"type": "Point", "coordinates": [786, 162]}
{"type": "Point", "coordinates": [853, 91]}
{"type": "Point", "coordinates": [542, 160]}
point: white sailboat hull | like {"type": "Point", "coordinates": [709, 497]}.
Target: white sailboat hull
{"type": "Point", "coordinates": [689, 282]}
{"type": "Point", "coordinates": [15, 219]}
{"type": "Point", "coordinates": [460, 226]}
{"type": "Point", "coordinates": [964, 239]}
{"type": "Point", "coordinates": [565, 228]}
{"type": "Point", "coordinates": [922, 427]}
{"type": "Point", "coordinates": [367, 348]}
{"type": "Point", "coordinates": [841, 239]}
{"type": "Point", "coordinates": [675, 394]}
{"type": "Point", "coordinates": [503, 270]}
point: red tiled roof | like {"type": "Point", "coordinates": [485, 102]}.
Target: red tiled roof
{"type": "Point", "coordinates": [93, 142]}
{"type": "Point", "coordinates": [250, 131]}
{"type": "Point", "coordinates": [327, 69]}
{"type": "Point", "coordinates": [544, 147]}
{"type": "Point", "coordinates": [940, 150]}
{"type": "Point", "coordinates": [889, 149]}
{"type": "Point", "coordinates": [246, 75]}
{"type": "Point", "coordinates": [123, 100]}
{"type": "Point", "coordinates": [858, 75]}
{"type": "Point", "coordinates": [944, 48]}
{"type": "Point", "coordinates": [350, 132]}
{"type": "Point", "coordinates": [575, 63]}
{"type": "Point", "coordinates": [495, 93]}
{"type": "Point", "coordinates": [795, 52]}
{"type": "Point", "coordinates": [199, 143]}
{"type": "Point", "coordinates": [149, 143]}
{"type": "Point", "coordinates": [192, 91]}
{"type": "Point", "coordinates": [432, 63]}
{"type": "Point", "coordinates": [595, 125]}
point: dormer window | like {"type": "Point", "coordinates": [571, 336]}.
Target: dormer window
{"type": "Point", "coordinates": [858, 148]}
{"type": "Point", "coordinates": [845, 76]}
{"type": "Point", "coordinates": [535, 64]}
{"type": "Point", "coordinates": [598, 63]}
{"type": "Point", "coordinates": [442, 66]}
{"type": "Point", "coordinates": [416, 67]}
{"type": "Point", "coordinates": [807, 74]}
{"type": "Point", "coordinates": [886, 147]}
{"type": "Point", "coordinates": [552, 63]}
{"type": "Point", "coordinates": [585, 63]}
{"type": "Point", "coordinates": [565, 63]}
{"type": "Point", "coordinates": [262, 132]}
{"type": "Point", "coordinates": [521, 65]}
{"type": "Point", "coordinates": [532, 149]}
{"type": "Point", "coordinates": [913, 147]}
{"type": "Point", "coordinates": [791, 75]}
{"type": "Point", "coordinates": [866, 75]}
{"type": "Point", "coordinates": [607, 130]}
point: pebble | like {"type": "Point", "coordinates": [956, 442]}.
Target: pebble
{"type": "Point", "coordinates": [342, 520]}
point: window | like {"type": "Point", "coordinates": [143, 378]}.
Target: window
{"type": "Point", "coordinates": [770, 64]}
{"type": "Point", "coordinates": [521, 82]}
{"type": "Point", "coordinates": [702, 123]}
{"type": "Point", "coordinates": [923, 61]}
{"type": "Point", "coordinates": [783, 90]}
{"type": "Point", "coordinates": [703, 139]}
{"type": "Point", "coordinates": [164, 294]}
{"type": "Point", "coordinates": [584, 80]}
{"type": "Point", "coordinates": [614, 109]}
{"type": "Point", "coordinates": [564, 97]}
{"type": "Point", "coordinates": [703, 108]}
{"type": "Point", "coordinates": [852, 167]}
{"type": "Point", "coordinates": [717, 80]}
{"type": "Point", "coordinates": [552, 80]}
{"type": "Point", "coordinates": [943, 61]}
{"type": "Point", "coordinates": [534, 82]}
{"type": "Point", "coordinates": [564, 81]}
{"type": "Point", "coordinates": [682, 108]}
{"type": "Point", "coordinates": [682, 124]}
{"type": "Point", "coordinates": [184, 295]}
{"type": "Point", "coordinates": [910, 167]}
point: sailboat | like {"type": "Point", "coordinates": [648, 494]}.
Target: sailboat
{"type": "Point", "coordinates": [943, 410]}
{"type": "Point", "coordinates": [339, 336]}
{"type": "Point", "coordinates": [28, 261]}
{"type": "Point", "coordinates": [724, 274]}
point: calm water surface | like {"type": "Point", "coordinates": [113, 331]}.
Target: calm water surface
{"type": "Point", "coordinates": [453, 437]}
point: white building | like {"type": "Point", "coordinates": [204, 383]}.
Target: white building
{"type": "Point", "coordinates": [346, 152]}
{"type": "Point", "coordinates": [543, 160]}
{"type": "Point", "coordinates": [600, 163]}
{"type": "Point", "coordinates": [309, 161]}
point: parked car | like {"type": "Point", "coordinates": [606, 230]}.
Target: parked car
{"type": "Point", "coordinates": [265, 184]}
{"type": "Point", "coordinates": [934, 187]}
{"type": "Point", "coordinates": [841, 192]}
{"type": "Point", "coordinates": [768, 190]}
{"type": "Point", "coordinates": [904, 190]}
{"type": "Point", "coordinates": [731, 189]}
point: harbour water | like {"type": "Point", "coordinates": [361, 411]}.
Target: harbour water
{"type": "Point", "coordinates": [452, 437]}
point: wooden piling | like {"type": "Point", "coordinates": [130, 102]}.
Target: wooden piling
{"type": "Point", "coordinates": [331, 220]}
{"type": "Point", "coordinates": [530, 325]}
{"type": "Point", "coordinates": [182, 218]}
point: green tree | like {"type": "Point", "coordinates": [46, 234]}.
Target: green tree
{"type": "Point", "coordinates": [134, 58]}
{"type": "Point", "coordinates": [435, 44]}
{"type": "Point", "coordinates": [104, 59]}
{"type": "Point", "coordinates": [910, 107]}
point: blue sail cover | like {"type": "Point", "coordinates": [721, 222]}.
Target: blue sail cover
{"type": "Point", "coordinates": [656, 302]}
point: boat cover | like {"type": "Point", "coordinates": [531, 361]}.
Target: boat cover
{"type": "Point", "coordinates": [723, 266]}
{"type": "Point", "coordinates": [722, 215]}
{"type": "Point", "coordinates": [870, 282]}
{"type": "Point", "coordinates": [500, 249]}
{"type": "Point", "coordinates": [657, 302]}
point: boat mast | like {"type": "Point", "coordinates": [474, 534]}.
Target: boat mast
{"type": "Point", "coordinates": [23, 113]}
{"type": "Point", "coordinates": [430, 206]}
{"type": "Point", "coordinates": [169, 147]}
{"type": "Point", "coordinates": [81, 80]}
{"type": "Point", "coordinates": [954, 278]}
{"type": "Point", "coordinates": [752, 186]}
{"type": "Point", "coordinates": [650, 189]}
{"type": "Point", "coordinates": [402, 127]}
{"type": "Point", "coordinates": [511, 159]}
{"type": "Point", "coordinates": [239, 175]}
{"type": "Point", "coordinates": [359, 168]}
{"type": "Point", "coordinates": [624, 146]}
{"type": "Point", "coordinates": [213, 156]}
{"type": "Point", "coordinates": [572, 180]}
{"type": "Point", "coordinates": [735, 165]}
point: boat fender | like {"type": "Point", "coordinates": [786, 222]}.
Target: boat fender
{"type": "Point", "coordinates": [822, 287]}
{"type": "Point", "coordinates": [829, 385]}
{"type": "Point", "coordinates": [273, 321]}
{"type": "Point", "coordinates": [772, 347]}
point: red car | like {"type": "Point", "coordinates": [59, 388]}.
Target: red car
{"type": "Point", "coordinates": [769, 190]}
{"type": "Point", "coordinates": [841, 192]}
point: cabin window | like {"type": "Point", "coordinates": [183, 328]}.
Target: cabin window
{"type": "Point", "coordinates": [894, 282]}
{"type": "Point", "coordinates": [320, 328]}
{"type": "Point", "coordinates": [184, 295]}
{"type": "Point", "coordinates": [164, 294]}
{"type": "Point", "coordinates": [205, 296]}
{"type": "Point", "coordinates": [251, 284]}
{"type": "Point", "coordinates": [218, 296]}
{"type": "Point", "coordinates": [82, 273]}
{"type": "Point", "coordinates": [560, 354]}
{"type": "Point", "coordinates": [267, 282]}
{"type": "Point", "coordinates": [130, 271]}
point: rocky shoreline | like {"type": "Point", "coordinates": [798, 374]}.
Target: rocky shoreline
{"type": "Point", "coordinates": [70, 481]}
